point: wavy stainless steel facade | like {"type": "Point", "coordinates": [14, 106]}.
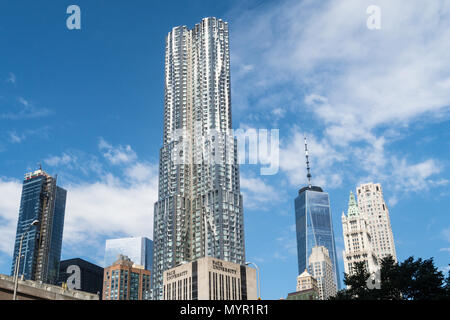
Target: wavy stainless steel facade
{"type": "Point", "coordinates": [199, 210]}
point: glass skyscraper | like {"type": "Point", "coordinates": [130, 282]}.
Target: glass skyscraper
{"type": "Point", "coordinates": [44, 201]}
{"type": "Point", "coordinates": [314, 227]}
{"type": "Point", "coordinates": [199, 211]}
{"type": "Point", "coordinates": [138, 249]}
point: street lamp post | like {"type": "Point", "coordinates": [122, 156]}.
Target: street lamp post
{"type": "Point", "coordinates": [17, 268]}
{"type": "Point", "coordinates": [259, 279]}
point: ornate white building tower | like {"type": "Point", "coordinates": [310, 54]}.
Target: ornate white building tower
{"type": "Point", "coordinates": [371, 204]}
{"type": "Point", "coordinates": [357, 238]}
{"type": "Point", "coordinates": [199, 211]}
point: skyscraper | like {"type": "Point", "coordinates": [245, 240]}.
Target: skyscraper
{"type": "Point", "coordinates": [357, 239]}
{"type": "Point", "coordinates": [44, 201]}
{"type": "Point", "coordinates": [199, 211]}
{"type": "Point", "coordinates": [371, 203]}
{"type": "Point", "coordinates": [138, 249]}
{"type": "Point", "coordinates": [322, 270]}
{"type": "Point", "coordinates": [313, 222]}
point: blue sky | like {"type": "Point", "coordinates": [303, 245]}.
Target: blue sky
{"type": "Point", "coordinates": [88, 105]}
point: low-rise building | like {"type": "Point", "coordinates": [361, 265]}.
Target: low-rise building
{"type": "Point", "coordinates": [81, 275]}
{"type": "Point", "coordinates": [307, 288]}
{"type": "Point", "coordinates": [210, 279]}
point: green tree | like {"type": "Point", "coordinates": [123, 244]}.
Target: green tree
{"type": "Point", "coordinates": [447, 284]}
{"type": "Point", "coordinates": [389, 280]}
{"type": "Point", "coordinates": [420, 280]}
{"type": "Point", "coordinates": [411, 280]}
{"type": "Point", "coordinates": [356, 284]}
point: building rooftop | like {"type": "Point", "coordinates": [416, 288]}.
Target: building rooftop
{"type": "Point", "coordinates": [312, 188]}
{"type": "Point", "coordinates": [34, 174]}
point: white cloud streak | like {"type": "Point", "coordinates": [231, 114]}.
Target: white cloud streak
{"type": "Point", "coordinates": [9, 209]}
{"type": "Point", "coordinates": [11, 78]}
{"type": "Point", "coordinates": [117, 155]}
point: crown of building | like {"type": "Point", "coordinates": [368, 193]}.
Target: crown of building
{"type": "Point", "coordinates": [305, 274]}
{"type": "Point", "coordinates": [352, 206]}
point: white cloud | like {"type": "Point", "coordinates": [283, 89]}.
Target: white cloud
{"type": "Point", "coordinates": [393, 201]}
{"type": "Point", "coordinates": [446, 234]}
{"type": "Point", "coordinates": [25, 110]}
{"type": "Point", "coordinates": [356, 79]}
{"type": "Point", "coordinates": [108, 207]}
{"type": "Point", "coordinates": [64, 159]}
{"type": "Point", "coordinates": [141, 172]}
{"type": "Point", "coordinates": [114, 204]}
{"type": "Point", "coordinates": [75, 166]}
{"type": "Point", "coordinates": [14, 137]}
{"type": "Point", "coordinates": [287, 243]}
{"type": "Point", "coordinates": [445, 269]}
{"type": "Point", "coordinates": [414, 177]}
{"type": "Point", "coordinates": [279, 112]}
{"type": "Point", "coordinates": [23, 101]}
{"type": "Point", "coordinates": [9, 211]}
{"type": "Point", "coordinates": [117, 155]}
{"type": "Point", "coordinates": [11, 78]}
{"type": "Point", "coordinates": [257, 193]}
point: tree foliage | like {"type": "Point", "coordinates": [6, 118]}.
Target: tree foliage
{"type": "Point", "coordinates": [409, 280]}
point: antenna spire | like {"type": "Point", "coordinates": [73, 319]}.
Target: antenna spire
{"type": "Point", "coordinates": [308, 169]}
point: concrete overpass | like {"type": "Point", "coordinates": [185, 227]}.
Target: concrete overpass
{"type": "Point", "coordinates": [33, 290]}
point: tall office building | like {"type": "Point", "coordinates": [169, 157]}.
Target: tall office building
{"type": "Point", "coordinates": [314, 226]}
{"type": "Point", "coordinates": [371, 204]}
{"type": "Point", "coordinates": [321, 268]}
{"type": "Point", "coordinates": [357, 239]}
{"type": "Point", "coordinates": [199, 211]}
{"type": "Point", "coordinates": [138, 249]}
{"type": "Point", "coordinates": [124, 280]}
{"type": "Point", "coordinates": [44, 201]}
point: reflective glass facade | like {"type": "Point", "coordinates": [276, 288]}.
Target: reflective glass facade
{"type": "Point", "coordinates": [138, 249]}
{"type": "Point", "coordinates": [314, 227]}
{"type": "Point", "coordinates": [55, 243]}
{"type": "Point", "coordinates": [41, 249]}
